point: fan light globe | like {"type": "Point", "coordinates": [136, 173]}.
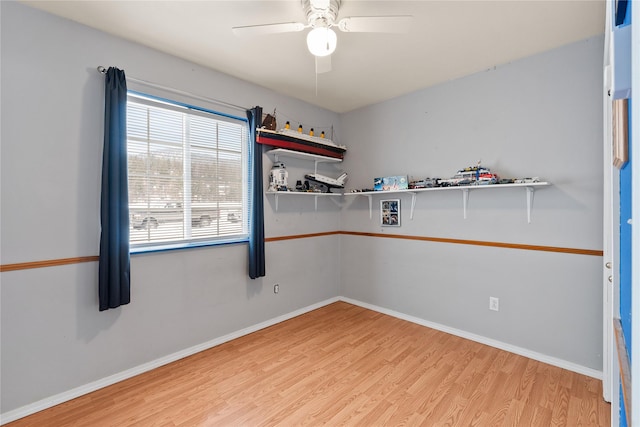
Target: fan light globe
{"type": "Point", "coordinates": [322, 41]}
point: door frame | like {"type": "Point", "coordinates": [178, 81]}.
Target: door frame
{"type": "Point", "coordinates": [610, 238]}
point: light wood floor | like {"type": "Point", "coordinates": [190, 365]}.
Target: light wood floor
{"type": "Point", "coordinates": [342, 365]}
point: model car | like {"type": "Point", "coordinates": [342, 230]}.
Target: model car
{"type": "Point", "coordinates": [424, 183]}
{"type": "Point", "coordinates": [472, 175]}
{"type": "Point", "coordinates": [526, 180]}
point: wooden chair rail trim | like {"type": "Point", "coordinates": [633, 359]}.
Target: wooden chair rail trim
{"type": "Point", "coordinates": [47, 263]}
{"type": "Point", "coordinates": [301, 236]}
{"type": "Point", "coordinates": [76, 260]}
{"type": "Point", "coordinates": [481, 243]}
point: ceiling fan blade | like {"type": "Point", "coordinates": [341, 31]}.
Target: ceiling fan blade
{"type": "Point", "coordinates": [376, 24]}
{"type": "Point", "coordinates": [323, 64]}
{"type": "Point", "coordinates": [257, 30]}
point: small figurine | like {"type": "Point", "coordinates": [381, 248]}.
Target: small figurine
{"type": "Point", "coordinates": [287, 125]}
{"type": "Point", "coordinates": [311, 132]}
{"type": "Point", "coordinates": [300, 128]}
{"type": "Point", "coordinates": [322, 134]}
{"type": "Point", "coordinates": [278, 178]}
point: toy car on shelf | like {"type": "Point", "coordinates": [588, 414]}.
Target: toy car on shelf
{"type": "Point", "coordinates": [472, 175]}
{"type": "Point", "coordinates": [526, 180]}
{"type": "Point", "coordinates": [424, 183]}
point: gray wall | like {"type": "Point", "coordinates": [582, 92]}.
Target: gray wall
{"type": "Point", "coordinates": [540, 116]}
{"type": "Point", "coordinates": [53, 337]}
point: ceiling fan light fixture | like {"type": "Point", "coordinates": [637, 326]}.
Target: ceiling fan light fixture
{"type": "Point", "coordinates": [322, 41]}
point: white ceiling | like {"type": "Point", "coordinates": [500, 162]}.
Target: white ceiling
{"type": "Point", "coordinates": [448, 39]}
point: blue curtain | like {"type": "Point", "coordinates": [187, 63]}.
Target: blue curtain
{"type": "Point", "coordinates": [114, 278]}
{"type": "Point", "coordinates": [621, 11]}
{"type": "Point", "coordinates": [256, 224]}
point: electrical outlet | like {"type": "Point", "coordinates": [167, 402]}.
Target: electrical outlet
{"type": "Point", "coordinates": [276, 288]}
{"type": "Point", "coordinates": [494, 303]}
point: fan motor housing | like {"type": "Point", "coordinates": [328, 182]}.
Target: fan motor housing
{"type": "Point", "coordinates": [326, 15]}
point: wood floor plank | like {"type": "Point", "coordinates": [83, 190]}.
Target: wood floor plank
{"type": "Point", "coordinates": [512, 417]}
{"type": "Point", "coordinates": [560, 410]}
{"type": "Point", "coordinates": [342, 365]}
{"type": "Point", "coordinates": [526, 379]}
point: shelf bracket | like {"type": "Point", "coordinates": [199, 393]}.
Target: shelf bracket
{"type": "Point", "coordinates": [465, 202]}
{"type": "Point", "coordinates": [413, 203]}
{"type": "Point", "coordinates": [529, 203]}
{"type": "Point", "coordinates": [276, 196]}
{"type": "Point", "coordinates": [370, 203]}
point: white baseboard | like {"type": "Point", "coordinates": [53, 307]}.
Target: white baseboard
{"type": "Point", "coordinates": [560, 363]}
{"type": "Point", "coordinates": [112, 379]}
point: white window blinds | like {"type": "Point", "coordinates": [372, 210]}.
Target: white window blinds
{"type": "Point", "coordinates": [188, 174]}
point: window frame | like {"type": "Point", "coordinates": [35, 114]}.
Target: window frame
{"type": "Point", "coordinates": [144, 98]}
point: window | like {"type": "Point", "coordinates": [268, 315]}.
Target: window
{"type": "Point", "coordinates": [188, 175]}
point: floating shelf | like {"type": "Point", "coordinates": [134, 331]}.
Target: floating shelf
{"type": "Point", "coordinates": [277, 194]}
{"type": "Point", "coordinates": [466, 189]}
{"type": "Point", "coordinates": [316, 158]}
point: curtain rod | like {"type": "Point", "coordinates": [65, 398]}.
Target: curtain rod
{"type": "Point", "coordinates": [103, 70]}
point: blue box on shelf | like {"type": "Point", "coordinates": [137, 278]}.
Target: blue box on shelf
{"type": "Point", "coordinates": [391, 183]}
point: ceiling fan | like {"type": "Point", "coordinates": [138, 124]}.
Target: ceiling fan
{"type": "Point", "coordinates": [322, 18]}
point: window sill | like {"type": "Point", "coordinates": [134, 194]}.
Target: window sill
{"type": "Point", "coordinates": [180, 246]}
